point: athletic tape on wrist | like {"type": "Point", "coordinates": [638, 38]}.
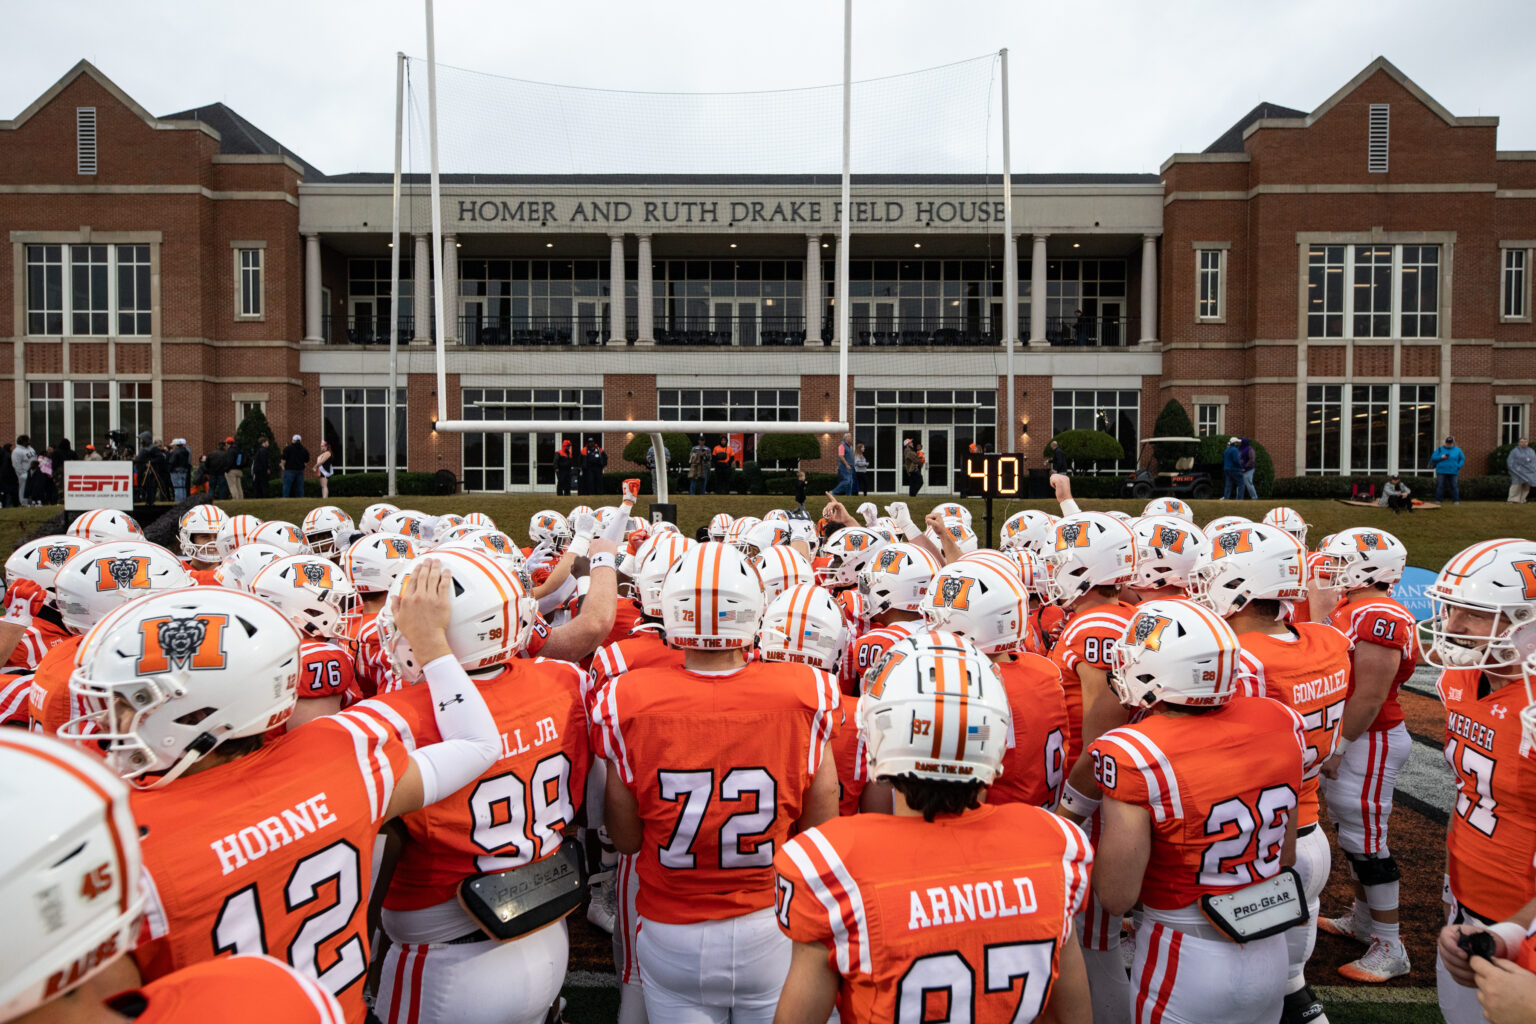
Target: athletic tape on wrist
{"type": "Point", "coordinates": [602, 560]}
{"type": "Point", "coordinates": [1078, 803]}
{"type": "Point", "coordinates": [580, 546]}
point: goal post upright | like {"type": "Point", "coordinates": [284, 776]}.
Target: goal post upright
{"type": "Point", "coordinates": [437, 223]}
{"type": "Point", "coordinates": [1010, 271]}
{"type": "Point", "coordinates": [391, 442]}
{"type": "Point", "coordinates": [844, 320]}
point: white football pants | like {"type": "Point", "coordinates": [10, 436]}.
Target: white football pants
{"type": "Point", "coordinates": [488, 982]}
{"type": "Point", "coordinates": [713, 972]}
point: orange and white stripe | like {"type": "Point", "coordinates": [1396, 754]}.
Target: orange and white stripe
{"type": "Point", "coordinates": [327, 1010]}
{"type": "Point", "coordinates": [1158, 975]}
{"type": "Point", "coordinates": [1076, 862]}
{"type": "Point", "coordinates": [404, 966]}
{"type": "Point", "coordinates": [370, 741]}
{"type": "Point", "coordinates": [1156, 771]}
{"type": "Point", "coordinates": [834, 887]}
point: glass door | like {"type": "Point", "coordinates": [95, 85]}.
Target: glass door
{"type": "Point", "coordinates": [1111, 328]}
{"type": "Point", "coordinates": [589, 318]}
{"type": "Point", "coordinates": [746, 323]}
{"type": "Point", "coordinates": [936, 447]}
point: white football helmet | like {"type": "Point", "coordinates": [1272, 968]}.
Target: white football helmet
{"type": "Point", "coordinates": [239, 569]}
{"type": "Point", "coordinates": [1493, 579]}
{"type": "Point", "coordinates": [374, 515]}
{"type": "Point", "coordinates": [1176, 652]}
{"type": "Point", "coordinates": [549, 528]}
{"type": "Point", "coordinates": [1124, 517]}
{"type": "Point", "coordinates": [373, 563]}
{"type": "Point", "coordinates": [1088, 550]}
{"type": "Point", "coordinates": [167, 679]}
{"type": "Point", "coordinates": [281, 535]}
{"type": "Point", "coordinates": [1167, 551]}
{"type": "Point", "coordinates": [235, 531]}
{"type": "Point", "coordinates": [435, 529]}
{"type": "Point", "coordinates": [780, 568]}
{"type": "Point", "coordinates": [1249, 562]}
{"type": "Point", "coordinates": [956, 731]}
{"type": "Point", "coordinates": [313, 592]}
{"type": "Point", "coordinates": [776, 515]}
{"type": "Point", "coordinates": [1030, 529]}
{"type": "Point", "coordinates": [1169, 507]}
{"type": "Point", "coordinates": [1361, 556]}
{"type": "Point", "coordinates": [661, 553]}
{"type": "Point", "coordinates": [453, 533]}
{"type": "Point", "coordinates": [327, 530]}
{"type": "Point", "coordinates": [490, 623]}
{"type": "Point", "coordinates": [106, 524]}
{"type": "Point", "coordinates": [104, 576]}
{"type": "Point", "coordinates": [200, 521]}
{"type": "Point", "coordinates": [1289, 520]}
{"type": "Point", "coordinates": [1005, 564]}
{"type": "Point", "coordinates": [848, 550]}
{"type": "Point", "coordinates": [481, 520]}
{"type": "Point", "coordinates": [761, 536]}
{"type": "Point", "coordinates": [39, 561]}
{"type": "Point", "coordinates": [406, 523]}
{"type": "Point", "coordinates": [980, 602]}
{"type": "Point", "coordinates": [1220, 523]}
{"type": "Point", "coordinates": [954, 510]}
{"type": "Point", "coordinates": [70, 874]}
{"type": "Point", "coordinates": [803, 625]}
{"type": "Point", "coordinates": [740, 527]}
{"type": "Point", "coordinates": [494, 543]}
{"type": "Point", "coordinates": [896, 579]}
{"type": "Point", "coordinates": [579, 510]}
{"type": "Point", "coordinates": [959, 529]}
{"type": "Point", "coordinates": [711, 600]}
{"type": "Point", "coordinates": [1020, 563]}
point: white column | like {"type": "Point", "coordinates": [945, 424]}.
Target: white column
{"type": "Point", "coordinates": [1037, 292]}
{"type": "Point", "coordinates": [645, 308]}
{"type": "Point", "coordinates": [450, 286]}
{"type": "Point", "coordinates": [312, 310]}
{"type": "Point", "coordinates": [616, 289]}
{"type": "Point", "coordinates": [421, 288]}
{"type": "Point", "coordinates": [1148, 288]}
{"type": "Point", "coordinates": [815, 304]}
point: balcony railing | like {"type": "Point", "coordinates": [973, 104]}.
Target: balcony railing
{"type": "Point", "coordinates": [745, 331]}
{"type": "Point", "coordinates": [921, 331]}
{"type": "Point", "coordinates": [535, 330]}
{"type": "Point", "coordinates": [1093, 331]}
{"type": "Point", "coordinates": [364, 330]}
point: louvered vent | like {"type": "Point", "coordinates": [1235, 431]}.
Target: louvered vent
{"type": "Point", "coordinates": [85, 140]}
{"type": "Point", "coordinates": [1377, 163]}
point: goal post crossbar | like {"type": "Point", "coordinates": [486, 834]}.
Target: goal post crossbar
{"type": "Point", "coordinates": [640, 426]}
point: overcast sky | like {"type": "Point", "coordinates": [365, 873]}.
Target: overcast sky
{"type": "Point", "coordinates": [1096, 85]}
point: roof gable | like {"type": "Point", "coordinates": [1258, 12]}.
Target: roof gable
{"type": "Point", "coordinates": [85, 67]}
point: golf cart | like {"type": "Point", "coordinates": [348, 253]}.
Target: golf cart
{"type": "Point", "coordinates": [1183, 481]}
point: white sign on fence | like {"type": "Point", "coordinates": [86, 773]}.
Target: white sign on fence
{"type": "Point", "coordinates": [90, 485]}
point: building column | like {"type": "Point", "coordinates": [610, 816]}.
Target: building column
{"type": "Point", "coordinates": [1037, 291]}
{"type": "Point", "coordinates": [450, 286]}
{"type": "Point", "coordinates": [421, 290]}
{"type": "Point", "coordinates": [645, 306]}
{"type": "Point", "coordinates": [1148, 288]}
{"type": "Point", "coordinates": [312, 311]}
{"type": "Point", "coordinates": [616, 331]}
{"type": "Point", "coordinates": [815, 303]}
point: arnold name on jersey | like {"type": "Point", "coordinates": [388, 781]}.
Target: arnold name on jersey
{"type": "Point", "coordinates": [978, 901]}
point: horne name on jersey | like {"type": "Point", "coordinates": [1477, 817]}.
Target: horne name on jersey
{"type": "Point", "coordinates": [272, 833]}
{"type": "Point", "coordinates": [973, 901]}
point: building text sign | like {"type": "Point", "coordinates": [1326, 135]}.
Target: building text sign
{"type": "Point", "coordinates": [92, 485]}
{"type": "Point", "coordinates": [905, 212]}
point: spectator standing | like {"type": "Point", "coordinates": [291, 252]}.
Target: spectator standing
{"type": "Point", "coordinates": [1232, 469]}
{"type": "Point", "coordinates": [45, 466]}
{"type": "Point", "coordinates": [1084, 326]}
{"type": "Point", "coordinates": [10, 486]}
{"type": "Point", "coordinates": [159, 468]}
{"type": "Point", "coordinates": [179, 459]}
{"type": "Point", "coordinates": [92, 455]}
{"type": "Point", "coordinates": [1395, 495]}
{"type": "Point", "coordinates": [215, 466]}
{"type": "Point", "coordinates": [698, 466]}
{"type": "Point", "coordinates": [1249, 458]}
{"type": "Point", "coordinates": [1521, 464]}
{"type": "Point", "coordinates": [1058, 459]}
{"type": "Point", "coordinates": [845, 478]}
{"type": "Point", "coordinates": [63, 454]}
{"type": "Point", "coordinates": [594, 461]}
{"type": "Point", "coordinates": [911, 467]}
{"type": "Point", "coordinates": [325, 468]}
{"type": "Point", "coordinates": [234, 472]}
{"type": "Point", "coordinates": [261, 467]}
{"type": "Point", "coordinates": [142, 463]}
{"type": "Point", "coordinates": [22, 457]}
{"type": "Point", "coordinates": [655, 467]}
{"type": "Point", "coordinates": [721, 462]}
{"type": "Point", "coordinates": [32, 490]}
{"type": "Point", "coordinates": [295, 458]}
{"type": "Point", "coordinates": [563, 462]}
{"type": "Point", "coordinates": [860, 469]}
{"type": "Point", "coordinates": [1447, 461]}
{"type": "Point", "coordinates": [919, 468]}
{"type": "Point", "coordinates": [800, 490]}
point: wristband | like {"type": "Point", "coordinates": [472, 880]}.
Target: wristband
{"type": "Point", "coordinates": [1341, 746]}
{"type": "Point", "coordinates": [602, 560]}
{"type": "Point", "coordinates": [1078, 803]}
{"type": "Point", "coordinates": [579, 546]}
{"type": "Point", "coordinates": [1069, 507]}
{"type": "Point", "coordinates": [1511, 935]}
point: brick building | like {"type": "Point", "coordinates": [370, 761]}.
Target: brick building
{"type": "Point", "coordinates": [1361, 272]}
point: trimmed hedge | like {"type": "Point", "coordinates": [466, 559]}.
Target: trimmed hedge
{"type": "Point", "coordinates": [1498, 459]}
{"type": "Point", "coordinates": [1087, 446]}
{"type": "Point", "coordinates": [1301, 488]}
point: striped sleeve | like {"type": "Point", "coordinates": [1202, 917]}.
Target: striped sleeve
{"type": "Point", "coordinates": [1130, 767]}
{"type": "Point", "coordinates": [829, 712]}
{"type": "Point", "coordinates": [1384, 625]}
{"type": "Point", "coordinates": [1250, 675]}
{"type": "Point", "coordinates": [1076, 866]}
{"type": "Point", "coordinates": [819, 901]}
{"type": "Point", "coordinates": [607, 662]}
{"type": "Point", "coordinates": [606, 734]}
{"type": "Point", "coordinates": [15, 697]}
{"type": "Point", "coordinates": [378, 751]}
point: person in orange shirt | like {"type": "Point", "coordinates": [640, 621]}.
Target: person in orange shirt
{"type": "Point", "coordinates": [1361, 565]}
{"type": "Point", "coordinates": [981, 923]}
{"type": "Point", "coordinates": [1200, 801]}
{"type": "Point", "coordinates": [892, 585]}
{"type": "Point", "coordinates": [30, 603]}
{"type": "Point", "coordinates": [1482, 627]}
{"type": "Point", "coordinates": [709, 769]}
{"type": "Point", "coordinates": [803, 626]}
{"type": "Point", "coordinates": [373, 564]}
{"type": "Point", "coordinates": [197, 532]}
{"type": "Point", "coordinates": [322, 604]}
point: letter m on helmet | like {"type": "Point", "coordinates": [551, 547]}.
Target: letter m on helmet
{"type": "Point", "coordinates": [1071, 535]}
{"type": "Point", "coordinates": [193, 642]}
{"type": "Point", "coordinates": [122, 574]}
{"type": "Point", "coordinates": [1147, 630]}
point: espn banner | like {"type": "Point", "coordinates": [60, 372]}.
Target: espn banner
{"type": "Point", "coordinates": [90, 485]}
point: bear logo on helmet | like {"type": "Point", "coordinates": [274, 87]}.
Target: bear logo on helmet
{"type": "Point", "coordinates": [1169, 539]}
{"type": "Point", "coordinates": [1071, 535]}
{"type": "Point", "coordinates": [56, 555]}
{"type": "Point", "coordinates": [314, 574]}
{"type": "Point", "coordinates": [188, 642]}
{"type": "Point", "coordinates": [122, 574]}
{"type": "Point", "coordinates": [1147, 630]}
{"type": "Point", "coordinates": [1231, 542]}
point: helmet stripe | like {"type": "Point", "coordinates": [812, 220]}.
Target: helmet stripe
{"type": "Point", "coordinates": [941, 691]}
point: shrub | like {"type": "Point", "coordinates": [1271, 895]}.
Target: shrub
{"type": "Point", "coordinates": [248, 437]}
{"type": "Point", "coordinates": [751, 479]}
{"type": "Point", "coordinates": [1083, 446]}
{"type": "Point", "coordinates": [677, 446]}
{"type": "Point", "coordinates": [788, 448]}
{"type": "Point", "coordinates": [1212, 447]}
{"type": "Point", "coordinates": [1173, 421]}
{"type": "Point", "coordinates": [1498, 460]}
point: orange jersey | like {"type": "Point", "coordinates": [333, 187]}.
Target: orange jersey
{"type": "Point", "coordinates": [626, 616]}
{"type": "Point", "coordinates": [41, 637]}
{"type": "Point", "coordinates": [1220, 787]}
{"type": "Point", "coordinates": [645, 649]}
{"type": "Point", "coordinates": [851, 603]}
{"type": "Point", "coordinates": [326, 669]}
{"type": "Point", "coordinates": [1526, 957]}
{"type": "Point", "coordinates": [1307, 670]}
{"type": "Point", "coordinates": [50, 703]}
{"type": "Point", "coordinates": [514, 814]}
{"type": "Point", "coordinates": [1035, 764]}
{"type": "Point", "coordinates": [848, 756]}
{"type": "Point", "coordinates": [1087, 638]}
{"type": "Point", "coordinates": [1048, 621]}
{"type": "Point", "coordinates": [370, 665]}
{"type": "Point", "coordinates": [1492, 835]}
{"type": "Point", "coordinates": [272, 852]}
{"type": "Point", "coordinates": [867, 649]}
{"type": "Point", "coordinates": [15, 694]}
{"type": "Point", "coordinates": [203, 577]}
{"type": "Point", "coordinates": [233, 990]}
{"type": "Point", "coordinates": [719, 765]}
{"type": "Point", "coordinates": [911, 910]}
{"type": "Point", "coordinates": [1372, 617]}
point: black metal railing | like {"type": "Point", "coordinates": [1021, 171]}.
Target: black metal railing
{"type": "Point", "coordinates": [1093, 331]}
{"type": "Point", "coordinates": [922, 331]}
{"type": "Point", "coordinates": [364, 330]}
{"type": "Point", "coordinates": [745, 331]}
{"type": "Point", "coordinates": [533, 330]}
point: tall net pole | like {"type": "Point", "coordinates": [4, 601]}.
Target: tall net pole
{"type": "Point", "coordinates": [844, 320]}
{"type": "Point", "coordinates": [437, 222]}
{"type": "Point", "coordinates": [391, 442]}
{"type": "Point", "coordinates": [1010, 266]}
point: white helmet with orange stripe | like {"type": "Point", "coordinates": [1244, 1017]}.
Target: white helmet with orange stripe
{"type": "Point", "coordinates": [70, 878]}
{"type": "Point", "coordinates": [104, 576]}
{"type": "Point", "coordinates": [318, 598]}
{"type": "Point", "coordinates": [281, 535]}
{"type": "Point", "coordinates": [1289, 520]}
{"type": "Point", "coordinates": [653, 561]}
{"type": "Point", "coordinates": [1175, 652]}
{"type": "Point", "coordinates": [896, 579]}
{"type": "Point", "coordinates": [491, 542]}
{"type": "Point", "coordinates": [105, 525]}
{"type": "Point", "coordinates": [1019, 562]}
{"type": "Point", "coordinates": [1169, 507]}
{"type": "Point", "coordinates": [720, 525]}
{"type": "Point", "coordinates": [1030, 529]}
{"type": "Point", "coordinates": [1361, 556]}
{"type": "Point", "coordinates": [481, 520]}
{"type": "Point", "coordinates": [959, 529]}
{"type": "Point", "coordinates": [740, 527]}
{"type": "Point", "coordinates": [711, 600]}
{"type": "Point", "coordinates": [327, 529]}
{"type": "Point", "coordinates": [235, 531]}
{"type": "Point", "coordinates": [803, 625]}
{"type": "Point", "coordinates": [1088, 550]}
{"type": "Point", "coordinates": [373, 563]}
{"type": "Point", "coordinates": [193, 669]}
{"type": "Point", "coordinates": [238, 570]}
{"type": "Point", "coordinates": [200, 521]}
{"type": "Point", "coordinates": [954, 510]}
{"type": "Point", "coordinates": [848, 551]}
{"type": "Point", "coordinates": [490, 620]}
{"type": "Point", "coordinates": [39, 561]}
{"type": "Point", "coordinates": [760, 537]}
{"type": "Point", "coordinates": [980, 602]}
{"type": "Point", "coordinates": [1246, 563]}
{"type": "Point", "coordinates": [1479, 603]}
{"type": "Point", "coordinates": [1220, 523]}
{"type": "Point", "coordinates": [1167, 551]}
{"type": "Point", "coordinates": [374, 515]}
{"type": "Point", "coordinates": [780, 568]}
{"type": "Point", "coordinates": [935, 708]}
{"type": "Point", "coordinates": [550, 529]}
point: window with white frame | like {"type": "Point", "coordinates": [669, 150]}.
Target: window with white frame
{"type": "Point", "coordinates": [135, 406]}
{"type": "Point", "coordinates": [356, 421]}
{"type": "Point", "coordinates": [1369, 428]}
{"type": "Point", "coordinates": [1208, 267]}
{"type": "Point", "coordinates": [1415, 427]}
{"type": "Point", "coordinates": [92, 409]}
{"type": "Point", "coordinates": [1515, 300]}
{"type": "Point", "coordinates": [1511, 422]}
{"type": "Point", "coordinates": [84, 410]}
{"type": "Point", "coordinates": [249, 299]}
{"type": "Point", "coordinates": [1117, 413]}
{"type": "Point", "coordinates": [105, 288]}
{"type": "Point", "coordinates": [1394, 291]}
{"type": "Point", "coordinates": [244, 407]}
{"type": "Point", "coordinates": [503, 462]}
{"type": "Point", "coordinates": [1210, 418]}
{"type": "Point", "coordinates": [45, 413]}
{"type": "Point", "coordinates": [729, 404]}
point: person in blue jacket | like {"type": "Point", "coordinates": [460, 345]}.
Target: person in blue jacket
{"type": "Point", "coordinates": [1232, 469]}
{"type": "Point", "coordinates": [1447, 461]}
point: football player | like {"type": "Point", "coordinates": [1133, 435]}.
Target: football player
{"type": "Point", "coordinates": [31, 606]}
{"type": "Point", "coordinates": [1482, 627]}
{"type": "Point", "coordinates": [105, 525]}
{"type": "Point", "coordinates": [803, 626]}
{"type": "Point", "coordinates": [253, 845]}
{"type": "Point", "coordinates": [979, 926]}
{"type": "Point", "coordinates": [709, 768]}
{"type": "Point", "coordinates": [321, 602]}
{"type": "Point", "coordinates": [198, 534]}
{"type": "Point", "coordinates": [1248, 575]}
{"type": "Point", "coordinates": [328, 531]}
{"type": "Point", "coordinates": [1167, 548]}
{"type": "Point", "coordinates": [1362, 564]}
{"type": "Point", "coordinates": [892, 585]}
{"type": "Point", "coordinates": [1200, 800]}
{"type": "Point", "coordinates": [373, 564]}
